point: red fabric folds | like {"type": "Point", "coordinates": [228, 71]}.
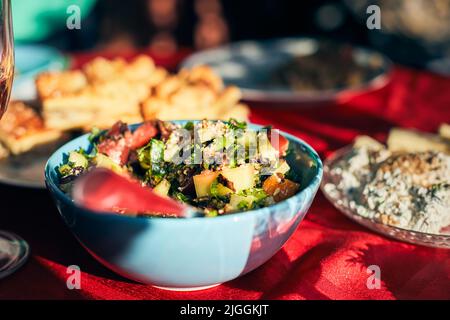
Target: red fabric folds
{"type": "Point", "coordinates": [328, 255]}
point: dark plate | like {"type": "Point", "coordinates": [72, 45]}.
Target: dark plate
{"type": "Point", "coordinates": [250, 64]}
{"type": "Point", "coordinates": [27, 170]}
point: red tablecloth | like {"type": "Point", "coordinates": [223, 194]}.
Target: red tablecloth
{"type": "Point", "coordinates": [326, 258]}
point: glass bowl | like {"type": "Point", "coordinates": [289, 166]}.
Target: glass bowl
{"type": "Point", "coordinates": [342, 203]}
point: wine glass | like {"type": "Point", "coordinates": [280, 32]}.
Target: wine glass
{"type": "Point", "coordinates": [13, 249]}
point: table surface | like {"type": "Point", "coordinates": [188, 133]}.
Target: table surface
{"type": "Point", "coordinates": [326, 258]}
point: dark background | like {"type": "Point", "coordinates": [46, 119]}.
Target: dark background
{"type": "Point", "coordinates": [166, 25]}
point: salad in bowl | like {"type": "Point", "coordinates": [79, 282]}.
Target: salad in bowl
{"type": "Point", "coordinates": [217, 167]}
{"type": "Point", "coordinates": [249, 186]}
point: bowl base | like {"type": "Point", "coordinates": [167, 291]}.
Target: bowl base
{"type": "Point", "coordinates": [189, 288]}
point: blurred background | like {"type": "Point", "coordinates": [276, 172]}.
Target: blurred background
{"type": "Point", "coordinates": [413, 32]}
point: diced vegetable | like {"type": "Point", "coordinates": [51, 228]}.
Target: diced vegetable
{"type": "Point", "coordinates": [162, 188]}
{"type": "Point", "coordinates": [77, 160]}
{"type": "Point", "coordinates": [219, 190]}
{"type": "Point", "coordinates": [151, 158]}
{"type": "Point", "coordinates": [242, 177]}
{"type": "Point", "coordinates": [283, 144]}
{"type": "Point", "coordinates": [189, 125]}
{"type": "Point", "coordinates": [181, 197]}
{"type": "Point", "coordinates": [249, 138]}
{"type": "Point", "coordinates": [94, 135]}
{"type": "Point", "coordinates": [152, 154]}
{"type": "Point", "coordinates": [206, 134]}
{"type": "Point", "coordinates": [266, 149]}
{"type": "Point", "coordinates": [203, 182]}
{"type": "Point", "coordinates": [283, 167]}
{"type": "Point", "coordinates": [211, 213]}
{"type": "Point", "coordinates": [279, 187]}
{"type": "Point", "coordinates": [76, 164]}
{"type": "Point", "coordinates": [237, 125]}
{"type": "Point", "coordinates": [115, 143]}
{"type": "Point", "coordinates": [102, 161]}
{"type": "Point", "coordinates": [258, 193]}
{"type": "Point", "coordinates": [222, 190]}
{"type": "Point", "coordinates": [240, 202]}
{"type": "Point", "coordinates": [64, 170]}
{"type": "Point", "coordinates": [222, 142]}
{"type": "Point", "coordinates": [143, 134]}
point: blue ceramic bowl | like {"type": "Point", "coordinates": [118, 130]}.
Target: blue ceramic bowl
{"type": "Point", "coordinates": [194, 253]}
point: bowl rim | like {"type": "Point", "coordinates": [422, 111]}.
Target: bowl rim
{"type": "Point", "coordinates": [312, 187]}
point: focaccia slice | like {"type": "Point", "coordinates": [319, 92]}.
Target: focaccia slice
{"type": "Point", "coordinates": [444, 131]}
{"type": "Point", "coordinates": [101, 101]}
{"type": "Point", "coordinates": [4, 152]}
{"type": "Point", "coordinates": [410, 140]}
{"type": "Point", "coordinates": [140, 70]}
{"type": "Point", "coordinates": [197, 93]}
{"type": "Point", "coordinates": [56, 84]}
{"type": "Point", "coordinates": [21, 129]}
